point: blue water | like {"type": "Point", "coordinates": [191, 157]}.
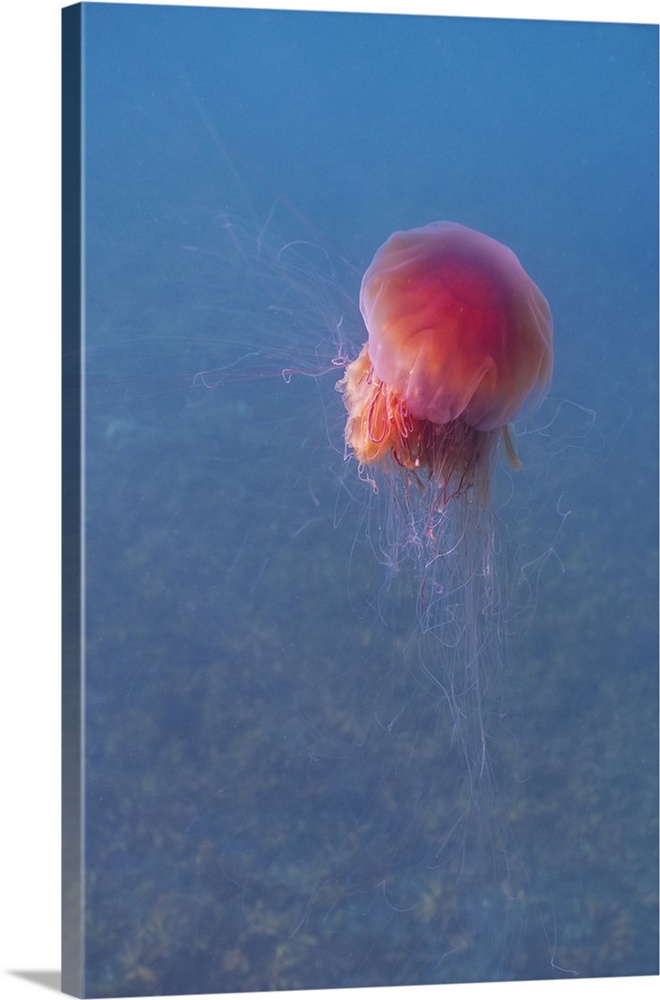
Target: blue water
{"type": "Point", "coordinates": [271, 788]}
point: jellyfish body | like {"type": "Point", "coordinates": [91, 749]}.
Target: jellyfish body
{"type": "Point", "coordinates": [460, 339]}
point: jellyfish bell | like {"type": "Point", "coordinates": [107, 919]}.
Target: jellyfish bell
{"type": "Point", "coordinates": [460, 340]}
{"type": "Point", "coordinates": [456, 326]}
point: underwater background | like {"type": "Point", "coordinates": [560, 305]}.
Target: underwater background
{"type": "Point", "coordinates": [270, 787]}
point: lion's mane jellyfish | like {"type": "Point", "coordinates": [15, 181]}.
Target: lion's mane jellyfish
{"type": "Point", "coordinates": [460, 340]}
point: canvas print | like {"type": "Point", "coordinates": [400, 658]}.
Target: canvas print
{"type": "Point", "coordinates": [360, 500]}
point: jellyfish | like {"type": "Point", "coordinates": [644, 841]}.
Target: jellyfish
{"type": "Point", "coordinates": [460, 339]}
{"type": "Point", "coordinates": [459, 342]}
